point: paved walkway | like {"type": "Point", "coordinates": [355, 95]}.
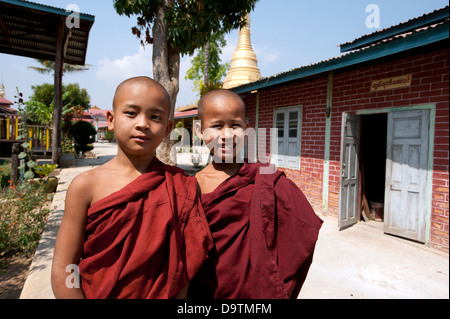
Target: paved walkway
{"type": "Point", "coordinates": [360, 262]}
{"type": "Point", "coordinates": [37, 285]}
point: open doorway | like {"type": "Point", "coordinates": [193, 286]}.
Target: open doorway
{"type": "Point", "coordinates": [373, 165]}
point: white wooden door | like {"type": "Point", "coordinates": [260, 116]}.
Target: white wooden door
{"type": "Point", "coordinates": [348, 194]}
{"type": "Point", "coordinates": [406, 174]}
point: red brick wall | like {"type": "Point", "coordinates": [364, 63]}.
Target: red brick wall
{"type": "Point", "coordinates": [312, 96]}
{"type": "Point", "coordinates": [351, 92]}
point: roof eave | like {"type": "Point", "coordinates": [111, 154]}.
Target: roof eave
{"type": "Point", "coordinates": [49, 9]}
{"type": "Point", "coordinates": [409, 26]}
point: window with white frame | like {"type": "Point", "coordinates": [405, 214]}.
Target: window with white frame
{"type": "Point", "coordinates": [286, 148]}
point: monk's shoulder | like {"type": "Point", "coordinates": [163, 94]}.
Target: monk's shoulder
{"type": "Point", "coordinates": [83, 180]}
{"type": "Point", "coordinates": [80, 188]}
{"type": "Point", "coordinates": [95, 175]}
{"type": "Point", "coordinates": [94, 181]}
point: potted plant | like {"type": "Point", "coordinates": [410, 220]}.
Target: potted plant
{"type": "Point", "coordinates": [50, 182]}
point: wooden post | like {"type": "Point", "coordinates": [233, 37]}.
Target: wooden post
{"type": "Point", "coordinates": [7, 128]}
{"type": "Point", "coordinates": [47, 140]}
{"type": "Point", "coordinates": [17, 128]}
{"type": "Point", "coordinates": [57, 112]}
{"type": "Point", "coordinates": [30, 138]}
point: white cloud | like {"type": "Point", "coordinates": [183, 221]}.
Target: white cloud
{"type": "Point", "coordinates": [114, 72]}
{"type": "Point", "coordinates": [266, 54]}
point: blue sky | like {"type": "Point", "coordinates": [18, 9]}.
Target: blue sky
{"type": "Point", "coordinates": [286, 34]}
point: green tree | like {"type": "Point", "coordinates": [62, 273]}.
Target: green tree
{"type": "Point", "coordinates": [39, 110]}
{"type": "Point", "coordinates": [197, 71]}
{"type": "Point", "coordinates": [44, 93]}
{"type": "Point", "coordinates": [177, 27]}
{"type": "Point", "coordinates": [48, 67]}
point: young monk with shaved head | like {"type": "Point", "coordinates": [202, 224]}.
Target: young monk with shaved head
{"type": "Point", "coordinates": [133, 226]}
{"type": "Point", "coordinates": [263, 227]}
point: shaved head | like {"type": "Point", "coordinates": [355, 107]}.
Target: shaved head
{"type": "Point", "coordinates": [215, 95]}
{"type": "Point", "coordinates": [140, 80]}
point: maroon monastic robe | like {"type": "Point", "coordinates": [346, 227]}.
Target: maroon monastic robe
{"type": "Point", "coordinates": [264, 230]}
{"type": "Point", "coordinates": [147, 240]}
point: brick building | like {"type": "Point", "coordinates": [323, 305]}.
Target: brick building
{"type": "Point", "coordinates": [367, 132]}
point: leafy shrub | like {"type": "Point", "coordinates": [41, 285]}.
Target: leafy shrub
{"type": "Point", "coordinates": [5, 173]}
{"type": "Point", "coordinates": [83, 134]}
{"type": "Point", "coordinates": [22, 218]}
{"type": "Point", "coordinates": [45, 170]}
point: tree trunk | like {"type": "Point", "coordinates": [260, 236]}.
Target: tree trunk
{"type": "Point", "coordinates": [206, 69]}
{"type": "Point", "coordinates": [166, 70]}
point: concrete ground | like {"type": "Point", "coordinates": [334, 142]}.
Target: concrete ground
{"type": "Point", "coordinates": [360, 262]}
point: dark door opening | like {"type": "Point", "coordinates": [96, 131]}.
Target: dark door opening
{"type": "Point", "coordinates": [373, 165]}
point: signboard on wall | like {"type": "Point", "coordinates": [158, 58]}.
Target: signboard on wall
{"type": "Point", "coordinates": [391, 83]}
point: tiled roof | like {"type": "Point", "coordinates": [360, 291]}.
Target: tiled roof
{"type": "Point", "coordinates": [5, 101]}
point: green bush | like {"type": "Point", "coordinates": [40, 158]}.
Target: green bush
{"type": "Point", "coordinates": [22, 218]}
{"type": "Point", "coordinates": [84, 134]}
{"type": "Point", "coordinates": [67, 146]}
{"type": "Point", "coordinates": [5, 173]}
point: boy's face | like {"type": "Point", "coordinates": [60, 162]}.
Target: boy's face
{"type": "Point", "coordinates": [222, 127]}
{"type": "Point", "coordinates": [140, 118]}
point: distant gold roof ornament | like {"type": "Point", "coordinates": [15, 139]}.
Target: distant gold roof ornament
{"type": "Point", "coordinates": [2, 93]}
{"type": "Point", "coordinates": [244, 65]}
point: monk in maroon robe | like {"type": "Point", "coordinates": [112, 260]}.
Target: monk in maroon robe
{"type": "Point", "coordinates": [146, 240]}
{"type": "Point", "coordinates": [264, 228]}
{"type": "Point", "coordinates": [264, 231]}
{"type": "Point", "coordinates": [132, 227]}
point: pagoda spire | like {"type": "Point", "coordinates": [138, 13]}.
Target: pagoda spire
{"type": "Point", "coordinates": [244, 64]}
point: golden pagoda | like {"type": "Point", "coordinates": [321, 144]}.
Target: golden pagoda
{"type": "Point", "coordinates": [244, 65]}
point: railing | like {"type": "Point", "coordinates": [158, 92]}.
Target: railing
{"type": "Point", "coordinates": [39, 137]}
{"type": "Point", "coordinates": [14, 129]}
{"type": "Point", "coordinates": [10, 126]}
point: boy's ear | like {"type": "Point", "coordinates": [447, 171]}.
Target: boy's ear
{"type": "Point", "coordinates": [198, 129]}
{"type": "Point", "coordinates": [168, 128]}
{"type": "Point", "coordinates": [110, 120]}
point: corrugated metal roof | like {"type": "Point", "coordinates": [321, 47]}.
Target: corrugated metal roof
{"type": "Point", "coordinates": [47, 8]}
{"type": "Point", "coordinates": [29, 29]}
{"type": "Point", "coordinates": [425, 20]}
